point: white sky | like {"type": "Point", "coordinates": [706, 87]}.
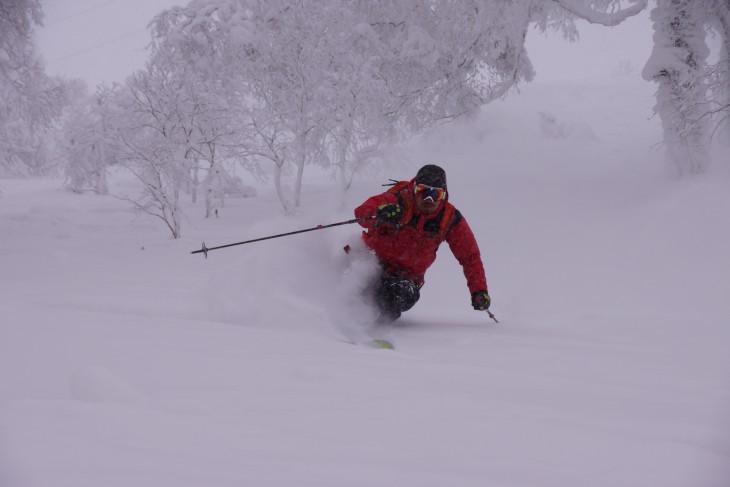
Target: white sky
{"type": "Point", "coordinates": [96, 40]}
{"type": "Point", "coordinates": [104, 40]}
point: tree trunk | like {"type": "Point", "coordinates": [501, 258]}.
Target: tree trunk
{"type": "Point", "coordinates": [681, 96]}
{"type": "Point", "coordinates": [176, 215]}
{"type": "Point", "coordinates": [196, 181]}
{"type": "Point", "coordinates": [300, 161]}
{"type": "Point", "coordinates": [279, 191]}
{"type": "Point", "coordinates": [102, 185]}
{"type": "Point", "coordinates": [342, 147]}
{"type": "Point", "coordinates": [208, 188]}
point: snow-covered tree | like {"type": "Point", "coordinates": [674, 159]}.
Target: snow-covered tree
{"type": "Point", "coordinates": [677, 64]}
{"type": "Point", "coordinates": [333, 81]}
{"type": "Point", "coordinates": [209, 112]}
{"type": "Point", "coordinates": [718, 14]}
{"type": "Point", "coordinates": [442, 60]}
{"type": "Point", "coordinates": [693, 98]}
{"type": "Point", "coordinates": [90, 144]}
{"type": "Point", "coordinates": [271, 80]}
{"type": "Point", "coordinates": [29, 99]}
{"type": "Point", "coordinates": [153, 147]}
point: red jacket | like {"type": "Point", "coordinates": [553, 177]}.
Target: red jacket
{"type": "Point", "coordinates": [411, 249]}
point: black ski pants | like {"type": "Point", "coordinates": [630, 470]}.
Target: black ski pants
{"type": "Point", "coordinates": [394, 295]}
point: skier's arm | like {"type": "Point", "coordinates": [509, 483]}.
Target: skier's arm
{"type": "Point", "coordinates": [370, 208]}
{"type": "Point", "coordinates": [464, 247]}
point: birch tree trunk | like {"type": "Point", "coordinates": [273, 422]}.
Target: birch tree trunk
{"type": "Point", "coordinates": [343, 145]}
{"type": "Point", "coordinates": [300, 159]}
{"type": "Point", "coordinates": [102, 185]}
{"type": "Point", "coordinates": [279, 191]}
{"type": "Point", "coordinates": [196, 181]}
{"type": "Point", "coordinates": [208, 188]}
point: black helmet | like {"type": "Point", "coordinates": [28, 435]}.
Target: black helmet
{"type": "Point", "coordinates": [431, 175]}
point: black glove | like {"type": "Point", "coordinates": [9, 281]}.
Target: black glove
{"type": "Point", "coordinates": [480, 300]}
{"type": "Point", "coordinates": [389, 213]}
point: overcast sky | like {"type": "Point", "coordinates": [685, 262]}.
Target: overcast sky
{"type": "Point", "coordinates": [96, 40]}
{"type": "Point", "coordinates": [105, 40]}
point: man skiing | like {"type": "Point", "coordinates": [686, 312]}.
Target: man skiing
{"type": "Point", "coordinates": [407, 225]}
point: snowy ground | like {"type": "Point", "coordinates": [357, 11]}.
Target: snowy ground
{"type": "Point", "coordinates": [126, 361]}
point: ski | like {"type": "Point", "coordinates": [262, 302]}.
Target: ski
{"type": "Point", "coordinates": [384, 344]}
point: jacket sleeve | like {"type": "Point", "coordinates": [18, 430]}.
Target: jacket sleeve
{"type": "Point", "coordinates": [370, 207]}
{"type": "Point", "coordinates": [464, 247]}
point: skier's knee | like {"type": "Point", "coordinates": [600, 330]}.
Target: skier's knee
{"type": "Point", "coordinates": [397, 295]}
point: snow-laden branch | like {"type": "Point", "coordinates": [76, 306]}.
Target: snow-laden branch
{"type": "Point", "coordinates": [609, 19]}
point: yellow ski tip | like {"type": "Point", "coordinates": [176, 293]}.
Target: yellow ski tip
{"type": "Point", "coordinates": [385, 344]}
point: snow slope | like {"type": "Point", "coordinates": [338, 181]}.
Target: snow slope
{"type": "Point", "coordinates": [126, 361]}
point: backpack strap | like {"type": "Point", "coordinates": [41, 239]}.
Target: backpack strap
{"type": "Point", "coordinates": [449, 220]}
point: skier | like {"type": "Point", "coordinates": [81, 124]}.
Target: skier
{"type": "Point", "coordinates": [409, 222]}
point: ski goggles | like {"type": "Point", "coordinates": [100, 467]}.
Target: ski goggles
{"type": "Point", "coordinates": [426, 192]}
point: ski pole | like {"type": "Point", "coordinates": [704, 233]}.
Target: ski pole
{"type": "Point", "coordinates": [205, 249]}
{"type": "Point", "coordinates": [491, 315]}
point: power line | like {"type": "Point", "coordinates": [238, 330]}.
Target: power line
{"type": "Point", "coordinates": [83, 51]}
{"type": "Point", "coordinates": [63, 19]}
